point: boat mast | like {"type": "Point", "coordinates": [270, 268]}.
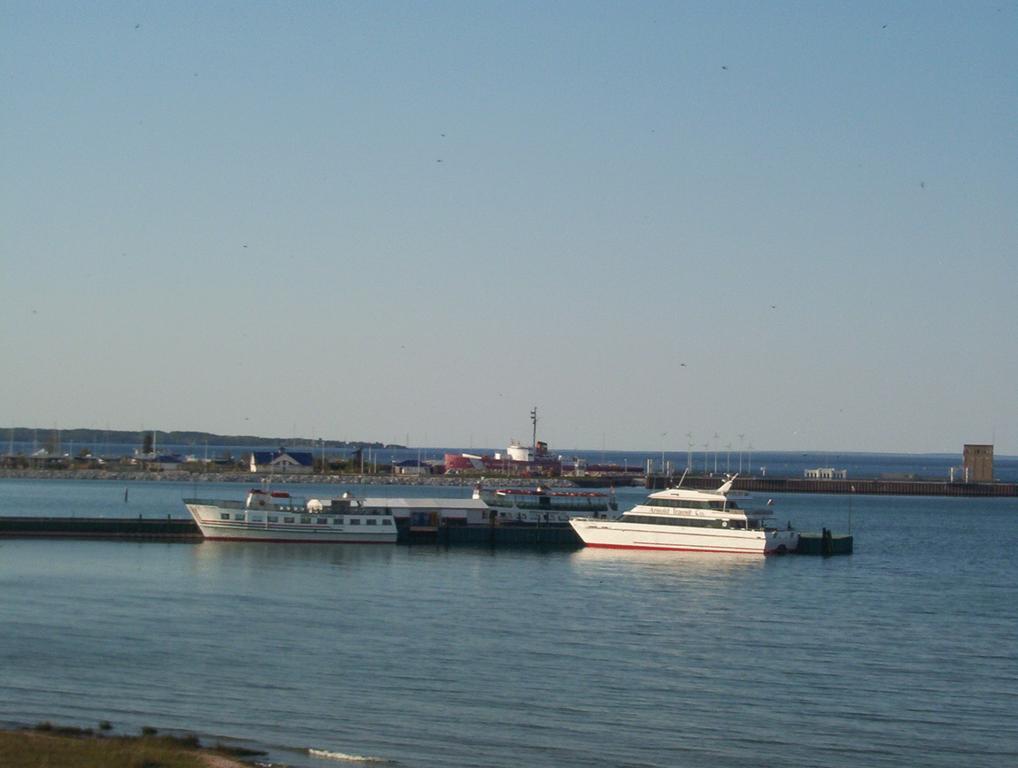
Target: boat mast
{"type": "Point", "coordinates": [533, 418]}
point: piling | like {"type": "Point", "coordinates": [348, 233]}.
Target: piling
{"type": "Point", "coordinates": [826, 543]}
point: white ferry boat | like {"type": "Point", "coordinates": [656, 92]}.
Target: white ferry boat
{"type": "Point", "coordinates": [686, 520]}
{"type": "Point", "coordinates": [541, 506]}
{"type": "Point", "coordinates": [277, 516]}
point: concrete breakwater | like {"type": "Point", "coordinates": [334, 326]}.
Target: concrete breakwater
{"type": "Point", "coordinates": [756, 484]}
{"type": "Point", "coordinates": [246, 477]}
{"type": "Point", "coordinates": [861, 486]}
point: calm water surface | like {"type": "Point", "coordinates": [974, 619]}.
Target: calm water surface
{"type": "Point", "coordinates": [905, 653]}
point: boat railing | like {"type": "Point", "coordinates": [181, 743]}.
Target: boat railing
{"type": "Point", "coordinates": [572, 505]}
{"type": "Point", "coordinates": [225, 503]}
{"type": "Point", "coordinates": [295, 507]}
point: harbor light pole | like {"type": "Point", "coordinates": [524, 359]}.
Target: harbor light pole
{"type": "Point", "coordinates": [533, 419]}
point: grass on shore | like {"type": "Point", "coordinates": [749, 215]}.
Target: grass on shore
{"type": "Point", "coordinates": [49, 746]}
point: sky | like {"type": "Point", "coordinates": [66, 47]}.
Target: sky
{"type": "Point", "coordinates": [792, 225]}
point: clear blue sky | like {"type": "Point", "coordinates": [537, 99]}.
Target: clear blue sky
{"type": "Point", "coordinates": [792, 221]}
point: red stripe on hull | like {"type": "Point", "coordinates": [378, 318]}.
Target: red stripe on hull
{"type": "Point", "coordinates": [682, 549]}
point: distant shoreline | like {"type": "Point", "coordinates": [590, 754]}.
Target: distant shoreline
{"type": "Point", "coordinates": [178, 437]}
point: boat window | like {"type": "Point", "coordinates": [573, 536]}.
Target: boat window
{"type": "Point", "coordinates": [337, 521]}
{"type": "Point", "coordinates": [273, 519]}
{"type": "Point", "coordinates": [372, 521]}
{"type": "Point", "coordinates": [685, 503]}
{"type": "Point", "coordinates": [257, 520]}
{"type": "Point", "coordinates": [387, 521]}
{"type": "Point", "coordinates": [224, 515]}
{"type": "Point", "coordinates": [239, 516]}
{"type": "Point", "coordinates": [321, 521]}
{"type": "Point", "coordinates": [287, 519]}
{"type": "Point", "coordinates": [355, 521]}
{"type": "Point", "coordinates": [305, 519]}
{"type": "Point", "coordinates": [686, 522]}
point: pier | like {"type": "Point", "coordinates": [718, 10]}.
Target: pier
{"type": "Point", "coordinates": [166, 529]}
{"type": "Point", "coordinates": [185, 529]}
{"type": "Point", "coordinates": [825, 543]}
{"type": "Point", "coordinates": [543, 537]}
{"type": "Point", "coordinates": [494, 536]}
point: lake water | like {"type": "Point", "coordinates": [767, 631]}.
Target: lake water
{"type": "Point", "coordinates": [905, 653]}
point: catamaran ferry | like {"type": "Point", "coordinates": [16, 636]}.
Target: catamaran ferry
{"type": "Point", "coordinates": [687, 520]}
{"type": "Point", "coordinates": [277, 516]}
